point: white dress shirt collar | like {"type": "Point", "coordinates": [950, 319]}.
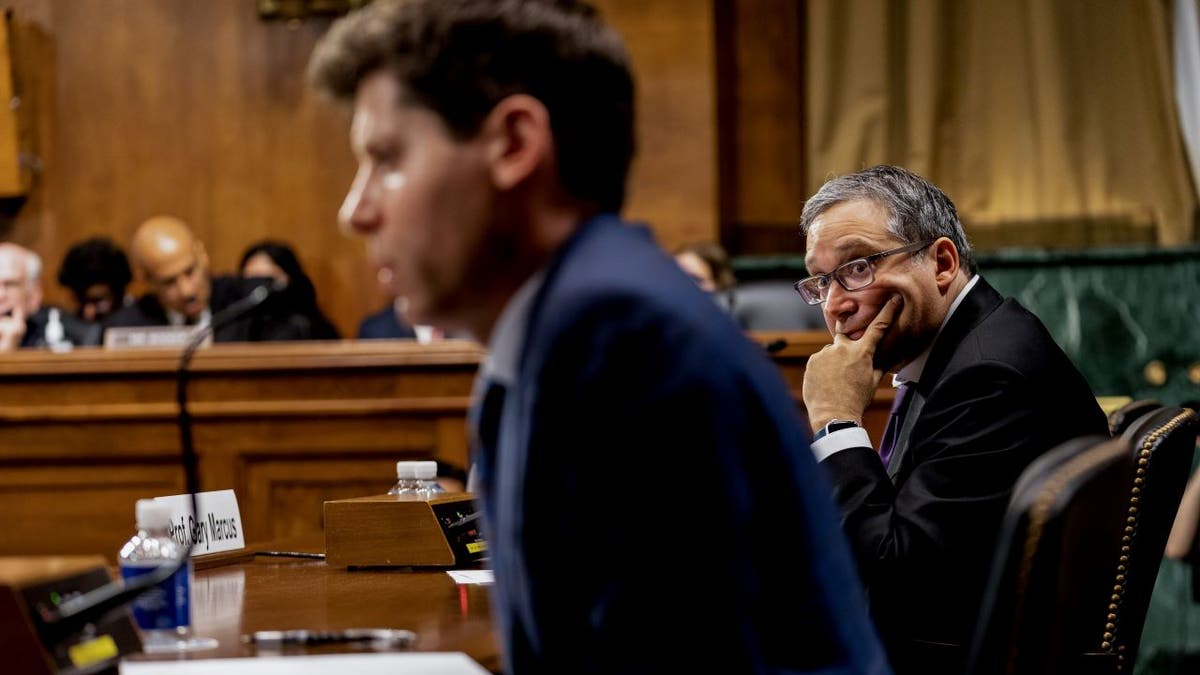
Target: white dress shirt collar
{"type": "Point", "coordinates": [178, 319]}
{"type": "Point", "coordinates": [508, 338]}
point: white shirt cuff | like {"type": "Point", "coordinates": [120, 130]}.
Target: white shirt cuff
{"type": "Point", "coordinates": [835, 442]}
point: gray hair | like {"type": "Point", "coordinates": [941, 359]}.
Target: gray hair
{"type": "Point", "coordinates": [33, 267]}
{"type": "Point", "coordinates": [916, 209]}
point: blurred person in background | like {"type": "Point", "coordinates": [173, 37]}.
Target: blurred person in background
{"type": "Point", "coordinates": [97, 273]}
{"type": "Point", "coordinates": [387, 324]}
{"type": "Point", "coordinates": [708, 265]}
{"type": "Point", "coordinates": [24, 321]}
{"type": "Point", "coordinates": [278, 261]}
{"type": "Point", "coordinates": [183, 292]}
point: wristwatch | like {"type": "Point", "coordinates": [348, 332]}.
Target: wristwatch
{"type": "Point", "coordinates": [834, 425]}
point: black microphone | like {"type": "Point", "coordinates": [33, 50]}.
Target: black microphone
{"type": "Point", "coordinates": [776, 346]}
{"type": "Point", "coordinates": [73, 614]}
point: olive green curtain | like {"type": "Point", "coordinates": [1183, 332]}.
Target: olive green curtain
{"type": "Point", "coordinates": [1047, 112]}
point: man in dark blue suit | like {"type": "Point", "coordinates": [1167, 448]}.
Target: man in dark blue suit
{"type": "Point", "coordinates": [650, 501]}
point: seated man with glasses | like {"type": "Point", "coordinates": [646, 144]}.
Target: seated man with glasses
{"type": "Point", "coordinates": [24, 320]}
{"type": "Point", "coordinates": [982, 390]}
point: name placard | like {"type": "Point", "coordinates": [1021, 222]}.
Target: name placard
{"type": "Point", "coordinates": [216, 527]}
{"type": "Point", "coordinates": [138, 337]}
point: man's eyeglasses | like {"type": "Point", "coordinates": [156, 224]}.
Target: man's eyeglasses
{"type": "Point", "coordinates": [853, 275]}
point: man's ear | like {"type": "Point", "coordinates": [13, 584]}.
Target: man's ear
{"type": "Point", "coordinates": [945, 261]}
{"type": "Point", "coordinates": [35, 297]}
{"type": "Point", "coordinates": [201, 254]}
{"type": "Point", "coordinates": [518, 139]}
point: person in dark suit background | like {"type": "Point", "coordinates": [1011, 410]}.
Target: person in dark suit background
{"type": "Point", "coordinates": [487, 191]}
{"type": "Point", "coordinates": [24, 321]}
{"type": "Point", "coordinates": [174, 265]}
{"type": "Point", "coordinates": [97, 273]}
{"type": "Point", "coordinates": [277, 260]}
{"type": "Point", "coordinates": [386, 324]}
{"type": "Point", "coordinates": [982, 390]}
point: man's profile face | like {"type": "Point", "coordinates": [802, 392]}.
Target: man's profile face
{"type": "Point", "coordinates": [178, 277]}
{"type": "Point", "coordinates": [857, 229]}
{"type": "Point", "coordinates": [421, 199]}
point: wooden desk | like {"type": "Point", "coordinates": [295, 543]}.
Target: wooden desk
{"type": "Point", "coordinates": [281, 594]}
{"type": "Point", "coordinates": [287, 426]}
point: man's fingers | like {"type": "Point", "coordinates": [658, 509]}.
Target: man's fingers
{"type": "Point", "coordinates": [838, 336]}
{"type": "Point", "coordinates": [881, 323]}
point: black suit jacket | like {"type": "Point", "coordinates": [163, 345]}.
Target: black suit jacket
{"type": "Point", "coordinates": [77, 331]}
{"type": "Point", "coordinates": [995, 393]}
{"type": "Point", "coordinates": [267, 323]}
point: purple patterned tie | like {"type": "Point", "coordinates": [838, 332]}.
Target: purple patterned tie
{"type": "Point", "coordinates": [892, 432]}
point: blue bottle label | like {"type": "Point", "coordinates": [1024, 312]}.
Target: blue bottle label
{"type": "Point", "coordinates": [165, 606]}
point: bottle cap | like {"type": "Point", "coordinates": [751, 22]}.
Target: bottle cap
{"type": "Point", "coordinates": [152, 513]}
{"type": "Point", "coordinates": [426, 470]}
{"type": "Point", "coordinates": [406, 469]}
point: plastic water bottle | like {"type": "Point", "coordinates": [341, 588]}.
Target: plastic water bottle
{"type": "Point", "coordinates": [163, 612]}
{"type": "Point", "coordinates": [54, 333]}
{"type": "Point", "coordinates": [427, 485]}
{"type": "Point", "coordinates": [406, 479]}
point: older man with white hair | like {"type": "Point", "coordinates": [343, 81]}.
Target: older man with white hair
{"type": "Point", "coordinates": [24, 322]}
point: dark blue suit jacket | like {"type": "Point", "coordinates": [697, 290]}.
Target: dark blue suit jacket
{"type": "Point", "coordinates": [384, 324]}
{"type": "Point", "coordinates": [653, 505]}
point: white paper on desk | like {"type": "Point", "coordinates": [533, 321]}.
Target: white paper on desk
{"type": "Point", "coordinates": [472, 576]}
{"type": "Point", "coordinates": [426, 663]}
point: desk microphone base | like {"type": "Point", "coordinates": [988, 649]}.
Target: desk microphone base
{"type": "Point", "coordinates": [28, 582]}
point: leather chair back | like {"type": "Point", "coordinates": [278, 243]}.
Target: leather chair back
{"type": "Point", "coordinates": [1120, 419]}
{"type": "Point", "coordinates": [1045, 599]}
{"type": "Point", "coordinates": [1163, 442]}
{"type": "Point", "coordinates": [1053, 604]}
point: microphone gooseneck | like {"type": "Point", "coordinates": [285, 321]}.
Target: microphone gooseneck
{"type": "Point", "coordinates": [72, 615]}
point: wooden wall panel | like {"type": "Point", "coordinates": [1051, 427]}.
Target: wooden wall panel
{"type": "Point", "coordinates": [288, 496]}
{"type": "Point", "coordinates": [199, 109]}
{"type": "Point", "coordinates": [13, 180]}
{"type": "Point", "coordinates": [61, 507]}
{"type": "Point", "coordinates": [761, 103]}
{"type": "Point", "coordinates": [673, 185]}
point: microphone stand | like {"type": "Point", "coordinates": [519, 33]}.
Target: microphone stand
{"type": "Point", "coordinates": [72, 615]}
